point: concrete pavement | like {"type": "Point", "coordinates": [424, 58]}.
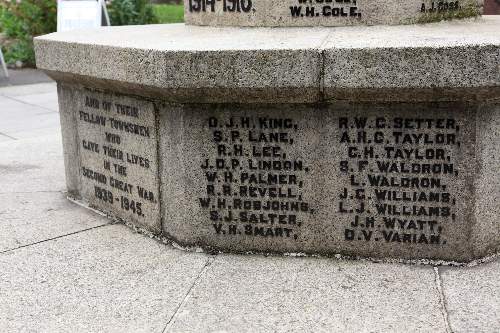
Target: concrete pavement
{"type": "Point", "coordinates": [64, 268]}
{"type": "Point", "coordinates": [22, 77]}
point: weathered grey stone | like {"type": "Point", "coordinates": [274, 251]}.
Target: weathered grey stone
{"type": "Point", "coordinates": [342, 192]}
{"type": "Point", "coordinates": [70, 142]}
{"type": "Point", "coordinates": [486, 226]}
{"type": "Point", "coordinates": [379, 67]}
{"type": "Point", "coordinates": [472, 297]}
{"type": "Point", "coordinates": [108, 279]}
{"type": "Point", "coordinates": [360, 142]}
{"type": "Point", "coordinates": [403, 189]}
{"type": "Point", "coordinates": [190, 64]}
{"type": "Point", "coordinates": [307, 295]}
{"type": "Point", "coordinates": [324, 13]}
{"type": "Point", "coordinates": [111, 142]}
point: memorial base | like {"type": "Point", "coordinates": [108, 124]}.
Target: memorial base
{"type": "Point", "coordinates": [378, 142]}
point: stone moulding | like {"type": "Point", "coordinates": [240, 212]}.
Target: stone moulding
{"type": "Point", "coordinates": [378, 142]}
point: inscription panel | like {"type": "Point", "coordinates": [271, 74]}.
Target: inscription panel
{"type": "Point", "coordinates": [117, 143]}
{"type": "Point", "coordinates": [370, 180]}
{"type": "Point", "coordinates": [324, 12]}
{"type": "Point", "coordinates": [255, 178]}
{"type": "Point", "coordinates": [398, 175]}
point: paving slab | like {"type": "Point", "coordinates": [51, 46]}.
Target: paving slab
{"type": "Point", "coordinates": [28, 111]}
{"type": "Point", "coordinates": [20, 124]}
{"type": "Point", "coordinates": [108, 279]}
{"type": "Point", "coordinates": [28, 89]}
{"type": "Point", "coordinates": [35, 133]}
{"type": "Point", "coordinates": [23, 77]}
{"type": "Point", "coordinates": [4, 137]}
{"type": "Point", "coordinates": [27, 218]}
{"type": "Point", "coordinates": [9, 106]}
{"type": "Point", "coordinates": [46, 100]}
{"type": "Point", "coordinates": [472, 297]}
{"type": "Point", "coordinates": [15, 114]}
{"type": "Point", "coordinates": [276, 294]}
{"type": "Point", "coordinates": [32, 165]}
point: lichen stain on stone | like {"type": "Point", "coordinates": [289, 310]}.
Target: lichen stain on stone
{"type": "Point", "coordinates": [467, 11]}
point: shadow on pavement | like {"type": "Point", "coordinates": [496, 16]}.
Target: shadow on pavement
{"type": "Point", "coordinates": [23, 76]}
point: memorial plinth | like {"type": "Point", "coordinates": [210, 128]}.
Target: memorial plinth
{"type": "Point", "coordinates": [365, 141]}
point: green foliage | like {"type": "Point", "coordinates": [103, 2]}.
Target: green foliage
{"type": "Point", "coordinates": [21, 50]}
{"type": "Point", "coordinates": [21, 21]}
{"type": "Point", "coordinates": [131, 12]}
{"type": "Point", "coordinates": [169, 13]}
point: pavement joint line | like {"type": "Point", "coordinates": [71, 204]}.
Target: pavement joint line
{"type": "Point", "coordinates": [29, 192]}
{"type": "Point", "coordinates": [30, 104]}
{"type": "Point", "coordinates": [8, 136]}
{"type": "Point", "coordinates": [442, 300]}
{"type": "Point", "coordinates": [202, 272]}
{"type": "Point", "coordinates": [45, 113]}
{"type": "Point", "coordinates": [98, 212]}
{"type": "Point", "coordinates": [54, 238]}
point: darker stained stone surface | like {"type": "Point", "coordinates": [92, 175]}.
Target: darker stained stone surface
{"type": "Point", "coordinates": [376, 180]}
{"type": "Point", "coordinates": [365, 141]}
{"type": "Point", "coordinates": [346, 199]}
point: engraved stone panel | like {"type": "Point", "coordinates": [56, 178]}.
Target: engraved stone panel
{"type": "Point", "coordinates": [372, 180]}
{"type": "Point", "coordinates": [117, 144]}
{"type": "Point", "coordinates": [324, 12]}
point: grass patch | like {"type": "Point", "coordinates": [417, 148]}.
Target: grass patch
{"type": "Point", "coordinates": [169, 13]}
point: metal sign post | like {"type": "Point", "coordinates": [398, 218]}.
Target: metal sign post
{"type": "Point", "coordinates": [105, 12]}
{"type": "Point", "coordinates": [4, 65]}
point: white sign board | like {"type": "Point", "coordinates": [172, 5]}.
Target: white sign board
{"type": "Point", "coordinates": [73, 15]}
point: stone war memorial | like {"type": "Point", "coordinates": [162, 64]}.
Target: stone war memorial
{"type": "Point", "coordinates": [364, 128]}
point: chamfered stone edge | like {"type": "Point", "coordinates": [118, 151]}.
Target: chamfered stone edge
{"type": "Point", "coordinates": [178, 63]}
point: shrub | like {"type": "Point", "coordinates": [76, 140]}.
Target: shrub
{"type": "Point", "coordinates": [131, 12]}
{"type": "Point", "coordinates": [21, 21]}
{"type": "Point", "coordinates": [169, 13]}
